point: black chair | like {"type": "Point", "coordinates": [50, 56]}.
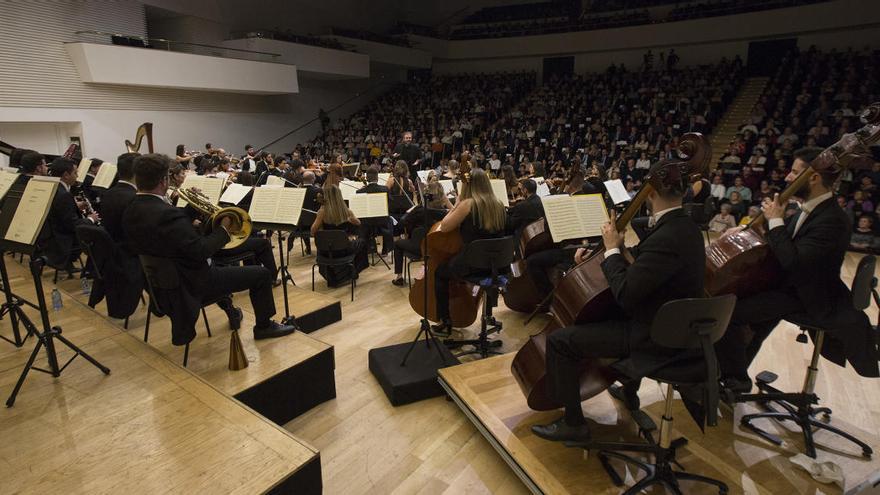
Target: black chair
{"type": "Point", "coordinates": [418, 234]}
{"type": "Point", "coordinates": [161, 274]}
{"type": "Point", "coordinates": [691, 326]}
{"type": "Point", "coordinates": [798, 407]}
{"type": "Point", "coordinates": [489, 260]}
{"type": "Point", "coordinates": [302, 232]}
{"type": "Point", "coordinates": [326, 243]}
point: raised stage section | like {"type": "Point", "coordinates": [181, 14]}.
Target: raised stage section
{"type": "Point", "coordinates": [489, 396]}
{"type": "Point", "coordinates": [148, 427]}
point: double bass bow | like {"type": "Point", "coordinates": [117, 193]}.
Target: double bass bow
{"type": "Point", "coordinates": [740, 262]}
{"type": "Point", "coordinates": [583, 296]}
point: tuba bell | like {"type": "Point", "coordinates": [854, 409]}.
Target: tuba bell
{"type": "Point", "coordinates": [241, 226]}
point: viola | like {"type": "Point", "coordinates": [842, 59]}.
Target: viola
{"type": "Point", "coordinates": [583, 296]}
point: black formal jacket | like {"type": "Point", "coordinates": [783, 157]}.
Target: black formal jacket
{"type": "Point", "coordinates": [524, 213]}
{"type": "Point", "coordinates": [669, 264]}
{"type": "Point", "coordinates": [155, 228]}
{"type": "Point", "coordinates": [811, 263]}
{"type": "Point", "coordinates": [113, 204]}
{"type": "Point", "coordinates": [310, 202]}
{"type": "Point", "coordinates": [57, 242]}
{"type": "Point", "coordinates": [372, 187]}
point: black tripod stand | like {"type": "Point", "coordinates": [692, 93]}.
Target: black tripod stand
{"type": "Point", "coordinates": [424, 324]}
{"type": "Point", "coordinates": [12, 307]}
{"type": "Point", "coordinates": [47, 337]}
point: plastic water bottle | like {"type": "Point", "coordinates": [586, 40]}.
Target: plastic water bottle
{"type": "Point", "coordinates": [56, 300]}
{"type": "Point", "coordinates": [86, 286]}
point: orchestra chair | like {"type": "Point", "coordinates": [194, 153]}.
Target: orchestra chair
{"type": "Point", "coordinates": [798, 407]}
{"type": "Point", "coordinates": [328, 241]}
{"type": "Point", "coordinates": [161, 274]}
{"type": "Point", "coordinates": [302, 232]}
{"type": "Point", "coordinates": [691, 326]}
{"type": "Point", "coordinates": [488, 261]}
{"type": "Point", "coordinates": [414, 256]}
{"type": "Point", "coordinates": [99, 247]}
{"type": "Point", "coordinates": [701, 214]}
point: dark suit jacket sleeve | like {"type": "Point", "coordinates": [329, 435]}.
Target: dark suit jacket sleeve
{"type": "Point", "coordinates": [65, 216]}
{"type": "Point", "coordinates": [632, 284]}
{"type": "Point", "coordinates": [192, 244]}
{"type": "Point", "coordinates": [810, 248]}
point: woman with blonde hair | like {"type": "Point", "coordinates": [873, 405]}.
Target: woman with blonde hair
{"type": "Point", "coordinates": [335, 215]}
{"type": "Point", "coordinates": [477, 215]}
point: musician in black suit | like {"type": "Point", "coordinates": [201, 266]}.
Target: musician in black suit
{"type": "Point", "coordinates": [810, 247]}
{"type": "Point", "coordinates": [409, 152]}
{"type": "Point", "coordinates": [115, 200]}
{"type": "Point", "coordinates": [249, 162]}
{"type": "Point", "coordinates": [59, 243]}
{"type": "Point", "coordinates": [86, 186]}
{"type": "Point", "coordinates": [527, 210]}
{"type": "Point", "coordinates": [154, 227]}
{"type": "Point", "coordinates": [668, 264]}
{"type": "Point", "coordinates": [380, 224]}
{"type": "Point", "coordinates": [310, 208]}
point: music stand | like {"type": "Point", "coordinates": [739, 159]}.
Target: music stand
{"type": "Point", "coordinates": [424, 324]}
{"type": "Point", "coordinates": [46, 337]}
{"type": "Point", "coordinates": [288, 319]}
{"type": "Point", "coordinates": [12, 307]}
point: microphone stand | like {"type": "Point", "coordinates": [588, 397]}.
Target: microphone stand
{"type": "Point", "coordinates": [425, 324]}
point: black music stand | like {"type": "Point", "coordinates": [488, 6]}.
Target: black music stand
{"type": "Point", "coordinates": [288, 319]}
{"type": "Point", "coordinates": [46, 337]}
{"type": "Point", "coordinates": [425, 324]}
{"type": "Point", "coordinates": [12, 306]}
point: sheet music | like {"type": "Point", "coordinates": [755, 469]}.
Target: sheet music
{"type": "Point", "coordinates": [32, 210]}
{"type": "Point", "coordinates": [83, 170]}
{"type": "Point", "coordinates": [235, 193]}
{"type": "Point", "coordinates": [617, 191]}
{"type": "Point", "coordinates": [274, 180]}
{"type": "Point", "coordinates": [6, 181]}
{"type": "Point", "coordinates": [106, 174]}
{"type": "Point", "coordinates": [447, 186]}
{"type": "Point", "coordinates": [369, 205]}
{"type": "Point", "coordinates": [500, 190]}
{"type": "Point", "coordinates": [423, 175]}
{"type": "Point", "coordinates": [574, 217]}
{"type": "Point", "coordinates": [277, 204]}
{"type": "Point", "coordinates": [210, 187]}
{"type": "Point", "coordinates": [383, 177]}
{"type": "Point", "coordinates": [349, 188]}
{"type": "Point", "coordinates": [543, 190]}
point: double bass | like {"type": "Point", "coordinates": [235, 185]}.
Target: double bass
{"type": "Point", "coordinates": [740, 262]}
{"type": "Point", "coordinates": [464, 300]}
{"type": "Point", "coordinates": [521, 294]}
{"type": "Point", "coordinates": [583, 296]}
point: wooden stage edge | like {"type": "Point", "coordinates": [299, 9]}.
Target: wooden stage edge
{"type": "Point", "coordinates": [490, 398]}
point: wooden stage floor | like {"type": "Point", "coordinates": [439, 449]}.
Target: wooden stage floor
{"type": "Point", "coordinates": [488, 394]}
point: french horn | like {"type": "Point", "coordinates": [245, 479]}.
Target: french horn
{"type": "Point", "coordinates": [241, 226]}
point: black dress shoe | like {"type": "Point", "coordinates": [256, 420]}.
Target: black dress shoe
{"type": "Point", "coordinates": [737, 385]}
{"type": "Point", "coordinates": [626, 394]}
{"type": "Point", "coordinates": [560, 431]}
{"type": "Point", "coordinates": [274, 329]}
{"type": "Point", "coordinates": [443, 329]}
{"type": "Point", "coordinates": [400, 282]}
{"type": "Point", "coordinates": [235, 316]}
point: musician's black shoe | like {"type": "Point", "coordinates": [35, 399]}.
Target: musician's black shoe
{"type": "Point", "coordinates": [274, 329]}
{"type": "Point", "coordinates": [443, 329]}
{"type": "Point", "coordinates": [736, 385]}
{"type": "Point", "coordinates": [560, 431]}
{"type": "Point", "coordinates": [400, 282]}
{"type": "Point", "coordinates": [627, 394]}
{"type": "Point", "coordinates": [235, 316]}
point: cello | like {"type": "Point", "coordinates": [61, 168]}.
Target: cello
{"type": "Point", "coordinates": [464, 301]}
{"type": "Point", "coordinates": [583, 296]}
{"type": "Point", "coordinates": [740, 262]}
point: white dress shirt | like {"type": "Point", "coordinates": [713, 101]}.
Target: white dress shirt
{"type": "Point", "coordinates": [651, 223]}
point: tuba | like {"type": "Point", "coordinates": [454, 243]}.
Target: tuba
{"type": "Point", "coordinates": [145, 129]}
{"type": "Point", "coordinates": [241, 226]}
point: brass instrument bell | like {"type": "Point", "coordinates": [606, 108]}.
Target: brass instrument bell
{"type": "Point", "coordinates": [239, 230]}
{"type": "Point", "coordinates": [237, 358]}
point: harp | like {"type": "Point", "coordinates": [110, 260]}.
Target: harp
{"type": "Point", "coordinates": [145, 129]}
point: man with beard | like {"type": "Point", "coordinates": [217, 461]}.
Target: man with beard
{"type": "Point", "coordinates": [668, 264]}
{"type": "Point", "coordinates": [810, 247]}
{"type": "Point", "coordinates": [408, 152]}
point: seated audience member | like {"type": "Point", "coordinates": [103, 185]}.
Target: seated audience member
{"type": "Point", "coordinates": [844, 205]}
{"type": "Point", "coordinates": [754, 212]}
{"type": "Point", "coordinates": [861, 204]}
{"type": "Point", "coordinates": [334, 215]}
{"type": "Point", "coordinates": [154, 227]}
{"type": "Point", "coordinates": [739, 187]}
{"type": "Point", "coordinates": [737, 205]}
{"type": "Point", "coordinates": [863, 238]}
{"type": "Point", "coordinates": [723, 220]}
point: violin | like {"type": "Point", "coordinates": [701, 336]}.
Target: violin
{"type": "Point", "coordinates": [583, 296]}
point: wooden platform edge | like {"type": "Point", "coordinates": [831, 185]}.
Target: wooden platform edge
{"type": "Point", "coordinates": [305, 480]}
{"type": "Point", "coordinates": [284, 396]}
{"type": "Point", "coordinates": [487, 434]}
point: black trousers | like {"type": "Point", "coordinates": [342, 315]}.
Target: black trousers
{"type": "Point", "coordinates": [404, 246]}
{"type": "Point", "coordinates": [262, 249]}
{"type": "Point", "coordinates": [378, 226]}
{"type": "Point", "coordinates": [754, 318]}
{"type": "Point", "coordinates": [540, 264]}
{"type": "Point", "coordinates": [567, 347]}
{"type": "Point", "coordinates": [454, 268]}
{"type": "Point", "coordinates": [257, 280]}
